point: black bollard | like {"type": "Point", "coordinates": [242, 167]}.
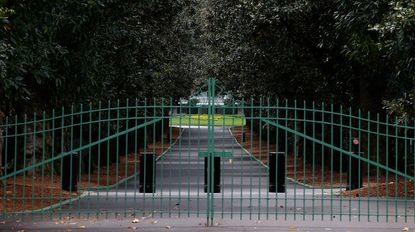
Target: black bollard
{"type": "Point", "coordinates": [355, 175]}
{"type": "Point", "coordinates": [216, 175]}
{"type": "Point", "coordinates": [70, 169]}
{"type": "Point", "coordinates": [147, 172]}
{"type": "Point", "coordinates": [276, 172]}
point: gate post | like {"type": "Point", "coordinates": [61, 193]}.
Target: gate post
{"type": "Point", "coordinates": [276, 172]}
{"type": "Point", "coordinates": [216, 174]}
{"type": "Point", "coordinates": [147, 172]}
{"type": "Point", "coordinates": [70, 169]}
{"type": "Point", "coordinates": [354, 175]}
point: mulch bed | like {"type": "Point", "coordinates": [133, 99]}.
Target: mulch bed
{"type": "Point", "coordinates": [31, 192]}
{"type": "Point", "coordinates": [384, 187]}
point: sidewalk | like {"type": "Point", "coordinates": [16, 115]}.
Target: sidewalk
{"type": "Point", "coordinates": [198, 224]}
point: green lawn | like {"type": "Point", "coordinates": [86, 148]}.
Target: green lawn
{"type": "Point", "coordinates": [202, 120]}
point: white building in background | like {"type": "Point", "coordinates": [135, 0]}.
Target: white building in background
{"type": "Point", "coordinates": [202, 103]}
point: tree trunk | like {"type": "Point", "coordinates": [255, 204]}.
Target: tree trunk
{"type": "Point", "coordinates": [371, 91]}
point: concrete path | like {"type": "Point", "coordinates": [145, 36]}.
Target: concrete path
{"type": "Point", "coordinates": [194, 224]}
{"type": "Point", "coordinates": [244, 189]}
{"type": "Point", "coordinates": [180, 200]}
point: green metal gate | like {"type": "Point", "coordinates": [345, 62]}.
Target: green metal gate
{"type": "Point", "coordinates": [210, 156]}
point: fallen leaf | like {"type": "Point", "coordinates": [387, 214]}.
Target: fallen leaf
{"type": "Point", "coordinates": [405, 229]}
{"type": "Point", "coordinates": [136, 220]}
{"type": "Point", "coordinates": [293, 228]}
{"type": "Point", "coordinates": [168, 227]}
{"type": "Point", "coordinates": [82, 227]}
{"type": "Point", "coordinates": [154, 222]}
{"type": "Point", "coordinates": [132, 227]}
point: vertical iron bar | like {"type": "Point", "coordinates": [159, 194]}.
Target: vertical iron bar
{"type": "Point", "coordinates": [188, 159]}
{"type": "Point", "coordinates": [80, 154]}
{"type": "Point", "coordinates": [369, 130]}
{"type": "Point", "coordinates": [162, 157]}
{"type": "Point", "coordinates": [377, 167]}
{"type": "Point", "coordinates": [5, 164]}
{"type": "Point", "coordinates": [387, 165]}
{"type": "Point", "coordinates": [117, 154]}
{"type": "Point", "coordinates": [153, 164]}
{"type": "Point", "coordinates": [61, 163]}
{"type": "Point", "coordinates": [209, 192]}
{"type": "Point", "coordinates": [304, 154]}
{"type": "Point", "coordinates": [242, 163]}
{"type": "Point", "coordinates": [33, 161]}
{"type": "Point", "coordinates": [260, 155]}
{"type": "Point", "coordinates": [314, 157]}
{"type": "Point", "coordinates": [322, 161]}
{"type": "Point", "coordinates": [24, 160]}
{"type": "Point", "coordinates": [127, 119]}
{"type": "Point", "coordinates": [277, 113]}
{"type": "Point", "coordinates": [15, 164]}
{"type": "Point", "coordinates": [267, 152]}
{"type": "Point", "coordinates": [396, 168]}
{"type": "Point", "coordinates": [250, 158]}
{"type": "Point", "coordinates": [212, 166]}
{"type": "Point", "coordinates": [89, 156]}
{"type": "Point", "coordinates": [171, 153]}
{"type": "Point", "coordinates": [99, 157]}
{"type": "Point", "coordinates": [286, 160]}
{"type": "Point", "coordinates": [341, 161]}
{"type": "Point", "coordinates": [295, 159]}
{"type": "Point", "coordinates": [331, 159]}
{"type": "Point", "coordinates": [406, 170]}
{"type": "Point", "coordinates": [108, 151]}
{"type": "Point", "coordinates": [359, 171]}
{"type": "Point", "coordinates": [52, 173]}
{"type": "Point", "coordinates": [349, 163]}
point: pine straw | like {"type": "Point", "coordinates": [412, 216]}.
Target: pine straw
{"type": "Point", "coordinates": [32, 192]}
{"type": "Point", "coordinates": [328, 178]}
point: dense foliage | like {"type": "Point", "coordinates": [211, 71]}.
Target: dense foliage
{"type": "Point", "coordinates": [355, 53]}
{"type": "Point", "coordinates": [58, 52]}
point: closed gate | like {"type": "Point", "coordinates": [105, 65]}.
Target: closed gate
{"type": "Point", "coordinates": [209, 156]}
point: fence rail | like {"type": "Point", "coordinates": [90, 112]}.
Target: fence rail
{"type": "Point", "coordinates": [123, 145]}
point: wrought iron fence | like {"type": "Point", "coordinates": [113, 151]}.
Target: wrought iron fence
{"type": "Point", "coordinates": [257, 158]}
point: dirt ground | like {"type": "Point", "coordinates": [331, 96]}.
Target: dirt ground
{"type": "Point", "coordinates": [31, 192]}
{"type": "Point", "coordinates": [317, 178]}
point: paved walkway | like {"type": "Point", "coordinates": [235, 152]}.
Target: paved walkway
{"type": "Point", "coordinates": [244, 195]}
{"type": "Point", "coordinates": [244, 189]}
